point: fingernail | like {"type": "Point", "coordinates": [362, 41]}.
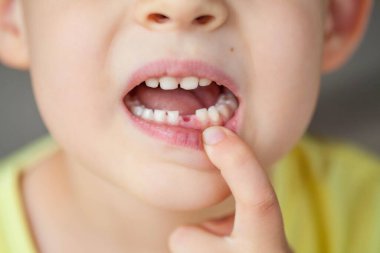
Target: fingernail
{"type": "Point", "coordinates": [213, 135]}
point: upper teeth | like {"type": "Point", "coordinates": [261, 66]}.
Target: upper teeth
{"type": "Point", "coordinates": [172, 83]}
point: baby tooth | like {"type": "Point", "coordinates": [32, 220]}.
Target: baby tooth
{"type": "Point", "coordinates": [228, 99]}
{"type": "Point", "coordinates": [138, 110]}
{"type": "Point", "coordinates": [147, 114]}
{"type": "Point", "coordinates": [168, 83]}
{"type": "Point", "coordinates": [232, 103]}
{"type": "Point", "coordinates": [202, 115]}
{"type": "Point", "coordinates": [222, 98]}
{"type": "Point", "coordinates": [214, 116]}
{"type": "Point", "coordinates": [204, 82]}
{"type": "Point", "coordinates": [152, 83]}
{"type": "Point", "coordinates": [159, 115]}
{"type": "Point", "coordinates": [173, 117]}
{"type": "Point", "coordinates": [224, 111]}
{"type": "Point", "coordinates": [189, 83]}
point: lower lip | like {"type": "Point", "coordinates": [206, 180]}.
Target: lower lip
{"type": "Point", "coordinates": [175, 135]}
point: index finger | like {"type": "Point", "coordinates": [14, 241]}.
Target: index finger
{"type": "Point", "coordinates": [257, 212]}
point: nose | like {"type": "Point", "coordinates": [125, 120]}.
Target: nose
{"type": "Point", "coordinates": [168, 15]}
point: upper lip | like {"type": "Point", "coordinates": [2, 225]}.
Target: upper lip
{"type": "Point", "coordinates": [181, 68]}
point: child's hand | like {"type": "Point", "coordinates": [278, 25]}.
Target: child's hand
{"type": "Point", "coordinates": [258, 226]}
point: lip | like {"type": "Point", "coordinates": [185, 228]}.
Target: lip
{"type": "Point", "coordinates": [180, 68]}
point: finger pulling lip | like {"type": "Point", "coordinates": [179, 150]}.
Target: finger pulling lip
{"type": "Point", "coordinates": [178, 135]}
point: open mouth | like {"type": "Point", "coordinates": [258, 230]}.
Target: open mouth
{"type": "Point", "coordinates": [177, 109]}
{"type": "Point", "coordinates": [191, 103]}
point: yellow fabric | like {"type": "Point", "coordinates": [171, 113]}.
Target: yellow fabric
{"type": "Point", "coordinates": [15, 236]}
{"type": "Point", "coordinates": [329, 193]}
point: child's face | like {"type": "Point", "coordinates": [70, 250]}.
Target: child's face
{"type": "Point", "coordinates": [84, 52]}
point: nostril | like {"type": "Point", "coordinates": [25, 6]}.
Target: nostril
{"type": "Point", "coordinates": [158, 18]}
{"type": "Point", "coordinates": [204, 19]}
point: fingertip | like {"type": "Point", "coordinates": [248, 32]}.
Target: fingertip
{"type": "Point", "coordinates": [213, 135]}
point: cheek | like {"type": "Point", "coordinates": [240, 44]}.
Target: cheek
{"type": "Point", "coordinates": [69, 70]}
{"type": "Point", "coordinates": [286, 51]}
{"type": "Point", "coordinates": [79, 102]}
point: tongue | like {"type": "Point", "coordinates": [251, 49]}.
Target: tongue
{"type": "Point", "coordinates": [186, 102]}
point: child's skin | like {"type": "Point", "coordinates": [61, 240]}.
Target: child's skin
{"type": "Point", "coordinates": [112, 188]}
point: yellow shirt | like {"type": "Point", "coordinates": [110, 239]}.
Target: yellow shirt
{"type": "Point", "coordinates": [15, 236]}
{"type": "Point", "coordinates": [329, 193]}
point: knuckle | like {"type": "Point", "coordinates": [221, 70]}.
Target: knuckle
{"type": "Point", "coordinates": [266, 205]}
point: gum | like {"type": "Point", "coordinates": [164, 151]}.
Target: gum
{"type": "Point", "coordinates": [191, 121]}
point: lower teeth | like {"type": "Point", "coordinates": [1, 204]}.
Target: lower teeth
{"type": "Point", "coordinates": [217, 114]}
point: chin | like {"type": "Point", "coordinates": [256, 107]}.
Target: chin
{"type": "Point", "coordinates": [179, 188]}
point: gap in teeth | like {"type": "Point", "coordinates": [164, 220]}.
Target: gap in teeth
{"type": "Point", "coordinates": [217, 114]}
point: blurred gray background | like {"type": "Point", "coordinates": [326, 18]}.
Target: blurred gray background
{"type": "Point", "coordinates": [348, 109]}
